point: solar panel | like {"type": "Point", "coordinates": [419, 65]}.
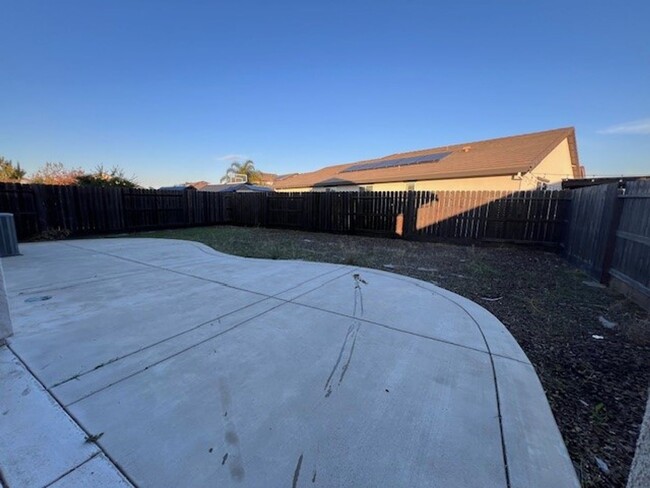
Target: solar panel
{"type": "Point", "coordinates": [390, 163]}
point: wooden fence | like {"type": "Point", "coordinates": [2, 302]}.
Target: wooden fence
{"type": "Point", "coordinates": [603, 229]}
{"type": "Point", "coordinates": [82, 210]}
{"type": "Point", "coordinates": [527, 217]}
{"type": "Point", "coordinates": [608, 235]}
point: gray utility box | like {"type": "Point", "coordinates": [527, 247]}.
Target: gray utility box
{"type": "Point", "coordinates": [8, 237]}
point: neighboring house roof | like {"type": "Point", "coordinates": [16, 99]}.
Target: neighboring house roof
{"type": "Point", "coordinates": [236, 187]}
{"type": "Point", "coordinates": [494, 157]}
{"type": "Point", "coordinates": [267, 178]}
{"type": "Point", "coordinates": [177, 187]}
{"type": "Point", "coordinates": [198, 184]}
{"type": "Point", "coordinates": [284, 177]}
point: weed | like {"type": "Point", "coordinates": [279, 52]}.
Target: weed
{"type": "Point", "coordinates": [599, 414]}
{"type": "Point", "coordinates": [93, 437]}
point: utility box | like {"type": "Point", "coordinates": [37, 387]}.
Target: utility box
{"type": "Point", "coordinates": [8, 237]}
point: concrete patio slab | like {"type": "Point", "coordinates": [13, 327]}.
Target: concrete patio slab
{"type": "Point", "coordinates": [133, 362]}
{"type": "Point", "coordinates": [97, 472]}
{"type": "Point", "coordinates": [206, 369]}
{"type": "Point", "coordinates": [39, 442]}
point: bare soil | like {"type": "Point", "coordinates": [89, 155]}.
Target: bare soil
{"type": "Point", "coordinates": [596, 377]}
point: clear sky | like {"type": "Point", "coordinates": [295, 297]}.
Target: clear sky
{"type": "Point", "coordinates": [173, 91]}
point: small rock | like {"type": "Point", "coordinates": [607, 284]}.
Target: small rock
{"type": "Point", "coordinates": [602, 465]}
{"type": "Point", "coordinates": [606, 323]}
{"type": "Point", "coordinates": [597, 337]}
{"type": "Point", "coordinates": [593, 284]}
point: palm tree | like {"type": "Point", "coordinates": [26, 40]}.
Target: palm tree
{"type": "Point", "coordinates": [247, 168]}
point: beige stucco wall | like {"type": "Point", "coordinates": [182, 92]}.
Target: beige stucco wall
{"type": "Point", "coordinates": [552, 169]}
{"type": "Point", "coordinates": [508, 183]}
{"type": "Point", "coordinates": [556, 166]}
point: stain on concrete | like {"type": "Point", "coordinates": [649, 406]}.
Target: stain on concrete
{"type": "Point", "coordinates": [235, 464]}
{"type": "Point", "coordinates": [350, 339]}
{"type": "Point", "coordinates": [232, 438]}
{"type": "Point", "coordinates": [296, 473]}
{"type": "Point", "coordinates": [236, 471]}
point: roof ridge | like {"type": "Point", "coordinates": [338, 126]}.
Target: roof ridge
{"type": "Point", "coordinates": [516, 136]}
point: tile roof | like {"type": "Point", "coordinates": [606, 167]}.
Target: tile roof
{"type": "Point", "coordinates": [494, 157]}
{"type": "Point", "coordinates": [236, 187]}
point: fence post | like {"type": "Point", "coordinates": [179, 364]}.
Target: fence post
{"type": "Point", "coordinates": [612, 226]}
{"type": "Point", "coordinates": [410, 215]}
{"type": "Point", "coordinates": [39, 206]}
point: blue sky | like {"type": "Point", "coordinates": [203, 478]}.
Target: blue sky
{"type": "Point", "coordinates": [173, 91]}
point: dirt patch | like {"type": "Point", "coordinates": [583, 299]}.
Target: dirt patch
{"type": "Point", "coordinates": [595, 374]}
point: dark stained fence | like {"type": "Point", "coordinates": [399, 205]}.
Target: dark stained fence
{"type": "Point", "coordinates": [591, 217]}
{"type": "Point", "coordinates": [630, 260]}
{"type": "Point", "coordinates": [526, 217]}
{"type": "Point", "coordinates": [608, 235]}
{"type": "Point", "coordinates": [529, 217]}
{"type": "Point", "coordinates": [20, 200]}
{"type": "Point", "coordinates": [81, 210]}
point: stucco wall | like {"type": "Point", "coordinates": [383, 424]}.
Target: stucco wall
{"type": "Point", "coordinates": [552, 170]}
{"type": "Point", "coordinates": [556, 166]}
{"type": "Point", "coordinates": [507, 183]}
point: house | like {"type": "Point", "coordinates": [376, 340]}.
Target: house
{"type": "Point", "coordinates": [521, 162]}
{"type": "Point", "coordinates": [269, 179]}
{"type": "Point", "coordinates": [198, 184]}
{"type": "Point", "coordinates": [236, 188]}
